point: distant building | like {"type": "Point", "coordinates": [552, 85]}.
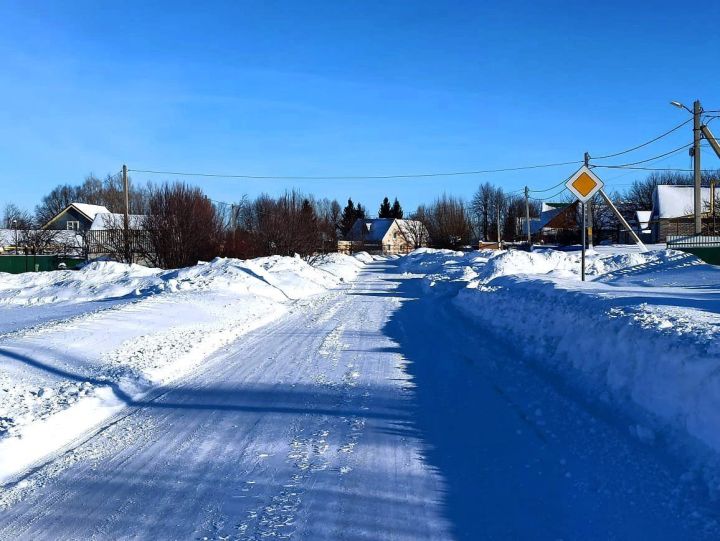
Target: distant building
{"type": "Point", "coordinates": [643, 218]}
{"type": "Point", "coordinates": [106, 236]}
{"type": "Point", "coordinates": [108, 221]}
{"type": "Point", "coordinates": [76, 217]}
{"type": "Point", "coordinates": [101, 233]}
{"type": "Point", "coordinates": [673, 210]}
{"type": "Point", "coordinates": [557, 224]}
{"type": "Point", "coordinates": [386, 236]}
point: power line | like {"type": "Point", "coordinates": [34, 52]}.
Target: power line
{"type": "Point", "coordinates": [549, 197]}
{"type": "Point", "coordinates": [648, 168]}
{"type": "Point", "coordinates": [683, 147]}
{"type": "Point", "coordinates": [354, 177]}
{"type": "Point", "coordinates": [643, 144]}
{"type": "Point", "coordinates": [551, 187]}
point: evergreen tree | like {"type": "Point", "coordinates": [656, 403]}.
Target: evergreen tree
{"type": "Point", "coordinates": [360, 212]}
{"type": "Point", "coordinates": [385, 210]}
{"type": "Point", "coordinates": [307, 234]}
{"type": "Point", "coordinates": [396, 211]}
{"type": "Point", "coordinates": [348, 217]}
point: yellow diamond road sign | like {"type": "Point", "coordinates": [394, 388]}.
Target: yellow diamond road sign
{"type": "Point", "coordinates": [584, 184]}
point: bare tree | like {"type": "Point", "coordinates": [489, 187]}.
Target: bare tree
{"type": "Point", "coordinates": [183, 226]}
{"type": "Point", "coordinates": [415, 229]}
{"type": "Point", "coordinates": [36, 240]}
{"type": "Point", "coordinates": [481, 207]}
{"type": "Point", "coordinates": [448, 222]}
{"type": "Point", "coordinates": [108, 192]}
{"type": "Point", "coordinates": [117, 243]}
{"type": "Point", "coordinates": [15, 217]}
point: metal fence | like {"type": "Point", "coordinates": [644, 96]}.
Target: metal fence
{"type": "Point", "coordinates": [706, 247]}
{"type": "Point", "coordinates": [693, 241]}
{"type": "Point", "coordinates": [106, 241]}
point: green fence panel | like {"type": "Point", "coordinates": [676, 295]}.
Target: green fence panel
{"type": "Point", "coordinates": [16, 264]}
{"type": "Point", "coordinates": [708, 255]}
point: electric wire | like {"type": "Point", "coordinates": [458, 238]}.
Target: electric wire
{"type": "Point", "coordinates": [683, 147]}
{"type": "Point", "coordinates": [549, 197]}
{"type": "Point", "coordinates": [354, 177]}
{"type": "Point", "coordinates": [671, 169]}
{"type": "Point", "coordinates": [643, 144]}
{"type": "Point", "coordinates": [551, 187]}
{"type": "Point", "coordinates": [629, 166]}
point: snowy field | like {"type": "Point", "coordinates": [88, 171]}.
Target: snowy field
{"type": "Point", "coordinates": [441, 395]}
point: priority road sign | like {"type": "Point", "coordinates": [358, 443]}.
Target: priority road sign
{"type": "Point", "coordinates": [584, 184]}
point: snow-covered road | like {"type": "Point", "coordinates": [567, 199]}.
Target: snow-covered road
{"type": "Point", "coordinates": [369, 412]}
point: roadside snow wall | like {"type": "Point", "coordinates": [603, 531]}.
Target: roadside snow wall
{"type": "Point", "coordinates": [648, 332]}
{"type": "Point", "coordinates": [644, 329]}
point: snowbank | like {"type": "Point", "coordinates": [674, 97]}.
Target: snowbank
{"type": "Point", "coordinates": [105, 280]}
{"type": "Point", "coordinates": [110, 334]}
{"type": "Point", "coordinates": [644, 331]}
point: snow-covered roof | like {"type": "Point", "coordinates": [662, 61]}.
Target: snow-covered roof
{"type": "Point", "coordinates": [370, 230]}
{"type": "Point", "coordinates": [643, 218]}
{"type": "Point", "coordinates": [376, 229]}
{"type": "Point", "coordinates": [90, 210]}
{"type": "Point", "coordinates": [112, 220]}
{"type": "Point", "coordinates": [549, 211]}
{"type": "Point", "coordinates": [552, 206]}
{"type": "Point", "coordinates": [7, 237]}
{"type": "Point", "coordinates": [677, 201]}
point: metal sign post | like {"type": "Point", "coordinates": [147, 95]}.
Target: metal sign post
{"type": "Point", "coordinates": [584, 184]}
{"type": "Point", "coordinates": [582, 263]}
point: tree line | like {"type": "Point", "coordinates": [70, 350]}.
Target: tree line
{"type": "Point", "coordinates": [183, 225]}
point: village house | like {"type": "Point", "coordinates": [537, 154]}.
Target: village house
{"type": "Point", "coordinates": [673, 209]}
{"type": "Point", "coordinates": [100, 233]}
{"type": "Point", "coordinates": [387, 236]}
{"type": "Point", "coordinates": [557, 224]}
{"type": "Point", "coordinates": [76, 217]}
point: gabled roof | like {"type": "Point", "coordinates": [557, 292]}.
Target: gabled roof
{"type": "Point", "coordinates": [643, 218]}
{"type": "Point", "coordinates": [376, 229]}
{"type": "Point", "coordinates": [552, 206]}
{"type": "Point", "coordinates": [112, 220]}
{"type": "Point", "coordinates": [678, 201]}
{"type": "Point", "coordinates": [549, 213]}
{"type": "Point", "coordinates": [88, 211]}
{"type": "Point", "coordinates": [370, 230]}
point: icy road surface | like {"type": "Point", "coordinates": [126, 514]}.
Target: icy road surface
{"type": "Point", "coordinates": [371, 412]}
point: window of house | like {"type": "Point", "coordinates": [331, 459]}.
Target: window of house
{"type": "Point", "coordinates": [73, 225]}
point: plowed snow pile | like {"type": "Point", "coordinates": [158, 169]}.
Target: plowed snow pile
{"type": "Point", "coordinates": [76, 347]}
{"type": "Point", "coordinates": [643, 332]}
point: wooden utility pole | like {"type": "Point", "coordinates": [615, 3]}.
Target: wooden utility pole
{"type": "Point", "coordinates": [498, 225]}
{"type": "Point", "coordinates": [697, 135]}
{"type": "Point", "coordinates": [710, 138]}
{"type": "Point", "coordinates": [527, 215]}
{"type": "Point", "coordinates": [126, 217]}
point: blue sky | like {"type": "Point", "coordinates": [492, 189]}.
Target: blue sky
{"type": "Point", "coordinates": [344, 88]}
